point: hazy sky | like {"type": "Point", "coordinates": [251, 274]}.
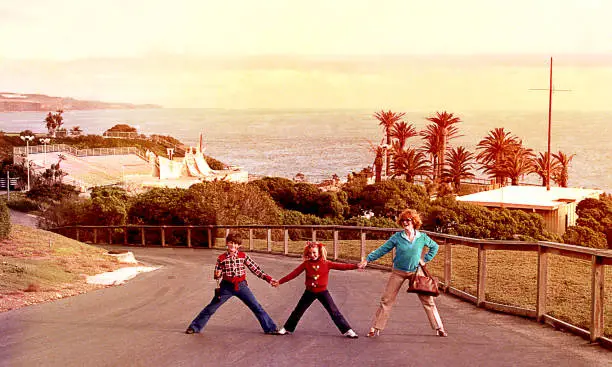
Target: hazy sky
{"type": "Point", "coordinates": [336, 53]}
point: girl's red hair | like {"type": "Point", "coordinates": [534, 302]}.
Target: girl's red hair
{"type": "Point", "coordinates": [322, 250]}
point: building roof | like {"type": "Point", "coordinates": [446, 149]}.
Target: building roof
{"type": "Point", "coordinates": [530, 197]}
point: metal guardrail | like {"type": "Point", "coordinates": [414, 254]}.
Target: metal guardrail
{"type": "Point", "coordinates": [599, 258]}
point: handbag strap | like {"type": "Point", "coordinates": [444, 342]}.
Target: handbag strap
{"type": "Point", "coordinates": [425, 270]}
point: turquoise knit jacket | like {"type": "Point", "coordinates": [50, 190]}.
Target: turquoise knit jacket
{"type": "Point", "coordinates": [407, 254]}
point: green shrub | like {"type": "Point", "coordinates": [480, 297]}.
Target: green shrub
{"type": "Point", "coordinates": [584, 236]}
{"type": "Point", "coordinates": [68, 213]}
{"type": "Point", "coordinates": [5, 220]}
{"type": "Point", "coordinates": [23, 205]}
{"type": "Point", "coordinates": [221, 202]}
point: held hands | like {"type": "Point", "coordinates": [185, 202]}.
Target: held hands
{"type": "Point", "coordinates": [362, 264]}
{"type": "Point", "coordinates": [274, 283]}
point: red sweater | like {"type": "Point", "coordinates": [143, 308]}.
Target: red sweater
{"type": "Point", "coordinates": [317, 273]}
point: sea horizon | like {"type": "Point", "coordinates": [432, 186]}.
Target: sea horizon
{"type": "Point", "coordinates": [322, 142]}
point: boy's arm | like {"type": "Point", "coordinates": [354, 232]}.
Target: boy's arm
{"type": "Point", "coordinates": [256, 269]}
{"type": "Point", "coordinates": [297, 271]}
{"type": "Point", "coordinates": [218, 270]}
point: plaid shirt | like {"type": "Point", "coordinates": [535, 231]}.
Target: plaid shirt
{"type": "Point", "coordinates": [235, 266]}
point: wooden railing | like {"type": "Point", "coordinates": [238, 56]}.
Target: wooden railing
{"type": "Point", "coordinates": [598, 258]}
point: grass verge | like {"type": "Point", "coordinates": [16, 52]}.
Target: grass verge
{"type": "Point", "coordinates": [37, 266]}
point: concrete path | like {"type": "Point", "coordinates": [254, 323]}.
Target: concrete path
{"type": "Point", "coordinates": [24, 219]}
{"type": "Point", "coordinates": [142, 323]}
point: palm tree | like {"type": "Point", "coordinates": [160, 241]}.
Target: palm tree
{"type": "Point", "coordinates": [561, 175]}
{"type": "Point", "coordinates": [54, 121]}
{"type": "Point", "coordinates": [517, 163]}
{"type": "Point", "coordinates": [387, 119]}
{"type": "Point", "coordinates": [410, 163]}
{"type": "Point", "coordinates": [540, 167]}
{"type": "Point", "coordinates": [444, 128]}
{"type": "Point", "coordinates": [459, 166]}
{"type": "Point", "coordinates": [493, 150]}
{"type": "Point", "coordinates": [402, 132]}
{"type": "Point", "coordinates": [431, 146]}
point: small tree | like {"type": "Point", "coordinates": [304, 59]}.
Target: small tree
{"type": "Point", "coordinates": [5, 220]}
{"type": "Point", "coordinates": [76, 131]}
{"type": "Point", "coordinates": [54, 121]}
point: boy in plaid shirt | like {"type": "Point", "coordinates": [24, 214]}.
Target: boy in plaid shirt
{"type": "Point", "coordinates": [231, 269]}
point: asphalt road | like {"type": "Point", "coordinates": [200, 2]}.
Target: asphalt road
{"type": "Point", "coordinates": [24, 219]}
{"type": "Point", "coordinates": [142, 323]}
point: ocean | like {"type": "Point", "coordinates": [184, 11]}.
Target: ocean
{"type": "Point", "coordinates": [320, 143]}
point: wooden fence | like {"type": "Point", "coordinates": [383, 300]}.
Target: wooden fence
{"type": "Point", "coordinates": [203, 237]}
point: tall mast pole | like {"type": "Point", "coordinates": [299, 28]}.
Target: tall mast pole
{"type": "Point", "coordinates": [550, 90]}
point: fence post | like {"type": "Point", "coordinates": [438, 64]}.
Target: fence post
{"type": "Point", "coordinates": [597, 298]}
{"type": "Point", "coordinates": [269, 240]}
{"type": "Point", "coordinates": [448, 264]}
{"type": "Point", "coordinates": [189, 236]}
{"type": "Point", "coordinates": [227, 231]}
{"type": "Point", "coordinates": [250, 239]}
{"type": "Point", "coordinates": [163, 235]}
{"type": "Point", "coordinates": [542, 283]}
{"type": "Point", "coordinates": [482, 276]}
{"type": "Point", "coordinates": [77, 233]}
{"type": "Point", "coordinates": [142, 236]}
{"type": "Point", "coordinates": [286, 241]}
{"type": "Point", "coordinates": [314, 235]}
{"type": "Point", "coordinates": [210, 239]}
{"type": "Point", "coordinates": [363, 245]}
{"type": "Point", "coordinates": [95, 239]}
{"type": "Point", "coordinates": [110, 235]}
{"type": "Point", "coordinates": [335, 244]}
{"type": "Point", "coordinates": [125, 241]}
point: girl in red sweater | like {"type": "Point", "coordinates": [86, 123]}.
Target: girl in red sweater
{"type": "Point", "coordinates": [317, 269]}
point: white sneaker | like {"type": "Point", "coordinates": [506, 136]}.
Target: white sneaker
{"type": "Point", "coordinates": [351, 334]}
{"type": "Point", "coordinates": [283, 332]}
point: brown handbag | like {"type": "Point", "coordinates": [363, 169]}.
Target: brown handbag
{"type": "Point", "coordinates": [423, 284]}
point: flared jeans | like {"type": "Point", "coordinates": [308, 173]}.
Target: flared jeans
{"type": "Point", "coordinates": [245, 295]}
{"type": "Point", "coordinates": [396, 279]}
{"type": "Point", "coordinates": [328, 303]}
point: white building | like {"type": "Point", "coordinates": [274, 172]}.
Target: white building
{"type": "Point", "coordinates": [557, 206]}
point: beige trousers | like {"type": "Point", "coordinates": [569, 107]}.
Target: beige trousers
{"type": "Point", "coordinates": [396, 279]}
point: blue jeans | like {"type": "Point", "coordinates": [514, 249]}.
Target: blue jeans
{"type": "Point", "coordinates": [327, 301]}
{"type": "Point", "coordinates": [245, 295]}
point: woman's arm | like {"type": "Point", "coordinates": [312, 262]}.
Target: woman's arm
{"type": "Point", "coordinates": [432, 246]}
{"type": "Point", "coordinates": [382, 250]}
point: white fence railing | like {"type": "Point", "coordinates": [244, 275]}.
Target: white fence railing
{"type": "Point", "coordinates": [19, 152]}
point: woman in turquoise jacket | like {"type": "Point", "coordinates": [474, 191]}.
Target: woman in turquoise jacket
{"type": "Point", "coordinates": [408, 245]}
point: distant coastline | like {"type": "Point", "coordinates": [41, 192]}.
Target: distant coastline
{"type": "Point", "coordinates": [20, 102]}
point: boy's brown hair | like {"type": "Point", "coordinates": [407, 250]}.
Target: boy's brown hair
{"type": "Point", "coordinates": [233, 238]}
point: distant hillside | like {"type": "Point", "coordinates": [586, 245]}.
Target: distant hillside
{"type": "Point", "coordinates": [15, 102]}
